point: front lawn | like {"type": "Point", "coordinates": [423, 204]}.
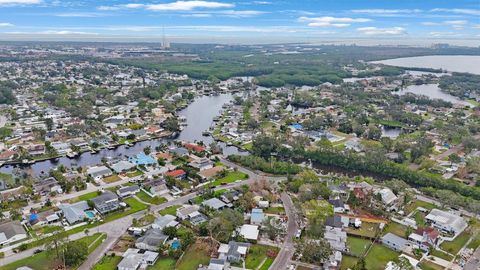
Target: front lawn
{"type": "Point", "coordinates": [46, 260]}
{"type": "Point", "coordinates": [107, 263]}
{"type": "Point", "coordinates": [134, 174]}
{"type": "Point", "coordinates": [256, 255]}
{"type": "Point", "coordinates": [418, 203]}
{"type": "Point", "coordinates": [358, 246]}
{"type": "Point", "coordinates": [379, 256]}
{"type": "Point", "coordinates": [195, 255]}
{"type": "Point", "coordinates": [152, 200]}
{"type": "Point", "coordinates": [85, 197]}
{"type": "Point", "coordinates": [134, 206]}
{"type": "Point", "coordinates": [230, 177]}
{"type": "Point", "coordinates": [455, 245]}
{"type": "Point", "coordinates": [171, 210]}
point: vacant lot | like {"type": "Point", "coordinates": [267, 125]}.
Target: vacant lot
{"type": "Point", "coordinates": [358, 246]}
{"type": "Point", "coordinates": [196, 254]}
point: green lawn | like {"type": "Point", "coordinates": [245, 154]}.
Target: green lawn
{"type": "Point", "coordinates": [256, 254]}
{"type": "Point", "coordinates": [230, 177]}
{"type": "Point", "coordinates": [358, 246]}
{"type": "Point", "coordinates": [46, 260]}
{"type": "Point", "coordinates": [171, 210]}
{"type": "Point", "coordinates": [425, 265]}
{"type": "Point", "coordinates": [441, 255]}
{"type": "Point", "coordinates": [135, 173]}
{"type": "Point", "coordinates": [134, 206]}
{"type": "Point", "coordinates": [274, 210]}
{"type": "Point", "coordinates": [153, 200]}
{"type": "Point", "coordinates": [455, 245]}
{"type": "Point", "coordinates": [266, 265]}
{"type": "Point", "coordinates": [397, 229]}
{"type": "Point", "coordinates": [107, 263]}
{"type": "Point", "coordinates": [379, 256]}
{"type": "Point", "coordinates": [367, 230]}
{"type": "Point", "coordinates": [417, 203]}
{"type": "Point", "coordinates": [164, 263]}
{"type": "Point", "coordinates": [85, 197]}
{"type": "Point", "coordinates": [348, 262]}
{"type": "Point", "coordinates": [195, 255]}
{"type": "Point", "coordinates": [111, 178]}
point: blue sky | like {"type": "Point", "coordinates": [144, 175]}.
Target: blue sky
{"type": "Point", "coordinates": [242, 21]}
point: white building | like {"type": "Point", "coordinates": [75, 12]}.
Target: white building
{"type": "Point", "coordinates": [446, 222]}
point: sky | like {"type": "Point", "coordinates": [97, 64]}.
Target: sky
{"type": "Point", "coordinates": [406, 22]}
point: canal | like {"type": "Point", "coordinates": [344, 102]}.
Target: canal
{"type": "Point", "coordinates": [199, 115]}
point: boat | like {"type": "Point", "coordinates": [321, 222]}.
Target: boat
{"type": "Point", "coordinates": [71, 154]}
{"type": "Point", "coordinates": [206, 133]}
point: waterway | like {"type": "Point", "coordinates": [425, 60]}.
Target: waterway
{"type": "Point", "coordinates": [432, 91]}
{"type": "Point", "coordinates": [452, 63]}
{"type": "Point", "coordinates": [199, 115]}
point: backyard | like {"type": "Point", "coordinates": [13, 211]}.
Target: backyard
{"type": "Point", "coordinates": [230, 177]}
{"type": "Point", "coordinates": [455, 245]}
{"type": "Point", "coordinates": [367, 230]}
{"type": "Point", "coordinates": [358, 246]}
{"type": "Point", "coordinates": [379, 256]}
{"type": "Point", "coordinates": [196, 254]}
{"type": "Point", "coordinates": [107, 263]}
{"type": "Point", "coordinates": [171, 210]}
{"type": "Point", "coordinates": [142, 195]}
{"type": "Point", "coordinates": [256, 255]}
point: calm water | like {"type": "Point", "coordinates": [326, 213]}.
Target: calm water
{"type": "Point", "coordinates": [199, 116]}
{"type": "Point", "coordinates": [432, 91]}
{"type": "Point", "coordinates": [452, 63]}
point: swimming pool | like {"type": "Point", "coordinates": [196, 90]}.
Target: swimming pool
{"type": "Point", "coordinates": [175, 244]}
{"type": "Point", "coordinates": [90, 214]}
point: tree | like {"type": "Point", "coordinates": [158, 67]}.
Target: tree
{"type": "Point", "coordinates": [56, 242]}
{"type": "Point", "coordinates": [314, 251]}
{"type": "Point", "coordinates": [360, 265]}
{"type": "Point", "coordinates": [171, 124]}
{"type": "Point", "coordinates": [75, 253]}
{"type": "Point", "coordinates": [147, 150]}
{"type": "Point", "coordinates": [170, 231]}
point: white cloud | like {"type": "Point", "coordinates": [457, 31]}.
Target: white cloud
{"type": "Point", "coordinates": [19, 2]}
{"type": "Point", "coordinates": [241, 13]}
{"type": "Point", "coordinates": [382, 31]}
{"type": "Point", "coordinates": [331, 21]}
{"type": "Point", "coordinates": [180, 5]}
{"type": "Point", "coordinates": [6, 24]}
{"type": "Point", "coordinates": [431, 23]}
{"type": "Point", "coordinates": [465, 11]}
{"type": "Point", "coordinates": [476, 26]}
{"type": "Point", "coordinates": [198, 15]}
{"type": "Point", "coordinates": [108, 8]}
{"type": "Point", "coordinates": [458, 24]}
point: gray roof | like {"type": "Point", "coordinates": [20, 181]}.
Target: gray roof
{"type": "Point", "coordinates": [163, 221]}
{"type": "Point", "coordinates": [214, 203]}
{"type": "Point", "coordinates": [397, 240]}
{"type": "Point", "coordinates": [11, 228]}
{"type": "Point", "coordinates": [152, 237]}
{"type": "Point", "coordinates": [128, 189]}
{"type": "Point", "coordinates": [74, 212]}
{"type": "Point", "coordinates": [122, 166]}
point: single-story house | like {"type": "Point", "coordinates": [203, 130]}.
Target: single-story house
{"type": "Point", "coordinates": [75, 212]}
{"type": "Point", "coordinates": [151, 240]}
{"type": "Point", "coordinates": [257, 217]}
{"type": "Point", "coordinates": [164, 221]}
{"type": "Point", "coordinates": [177, 174]}
{"type": "Point", "coordinates": [128, 191]}
{"type": "Point", "coordinates": [202, 164]}
{"type": "Point", "coordinates": [394, 242]}
{"type": "Point", "coordinates": [122, 166]}
{"type": "Point", "coordinates": [11, 231]}
{"type": "Point", "coordinates": [214, 204]}
{"type": "Point", "coordinates": [133, 258]}
{"type": "Point", "coordinates": [98, 172]}
{"type": "Point", "coordinates": [249, 232]}
{"type": "Point", "coordinates": [47, 185]}
{"type": "Point", "coordinates": [233, 251]}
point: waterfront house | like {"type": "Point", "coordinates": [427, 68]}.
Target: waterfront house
{"type": "Point", "coordinates": [47, 186]}
{"type": "Point", "coordinates": [98, 172]}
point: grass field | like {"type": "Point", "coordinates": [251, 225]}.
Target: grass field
{"type": "Point", "coordinates": [455, 245]}
{"type": "Point", "coordinates": [256, 255]}
{"type": "Point", "coordinates": [230, 177]}
{"type": "Point", "coordinates": [417, 203]}
{"type": "Point", "coordinates": [85, 197]}
{"type": "Point", "coordinates": [46, 260]}
{"type": "Point", "coordinates": [111, 179]}
{"type": "Point", "coordinates": [164, 263]}
{"type": "Point", "coordinates": [358, 246]}
{"type": "Point", "coordinates": [396, 228]}
{"type": "Point", "coordinates": [441, 255]}
{"type": "Point", "coordinates": [171, 210]}
{"type": "Point", "coordinates": [196, 254]}
{"type": "Point", "coordinates": [379, 256]}
{"type": "Point", "coordinates": [424, 265]}
{"type": "Point", "coordinates": [348, 262]}
{"type": "Point", "coordinates": [367, 230]}
{"type": "Point", "coordinates": [107, 263]}
{"type": "Point", "coordinates": [275, 210]}
{"type": "Point", "coordinates": [266, 265]}
{"type": "Point", "coordinates": [153, 200]}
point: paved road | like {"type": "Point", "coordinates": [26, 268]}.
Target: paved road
{"type": "Point", "coordinates": [116, 228]}
{"type": "Point", "coordinates": [288, 249]}
{"type": "Point", "coordinates": [474, 261]}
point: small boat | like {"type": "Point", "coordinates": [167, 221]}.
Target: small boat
{"type": "Point", "coordinates": [71, 154]}
{"type": "Point", "coordinates": [206, 133]}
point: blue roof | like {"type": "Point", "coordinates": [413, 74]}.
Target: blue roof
{"type": "Point", "coordinates": [33, 217]}
{"type": "Point", "coordinates": [142, 159]}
